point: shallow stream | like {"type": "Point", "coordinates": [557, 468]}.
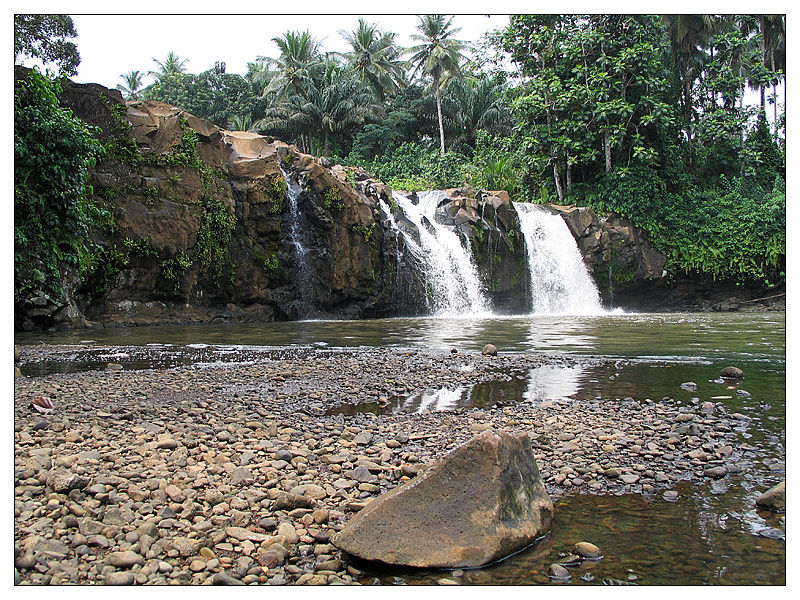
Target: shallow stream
{"type": "Point", "coordinates": [711, 535]}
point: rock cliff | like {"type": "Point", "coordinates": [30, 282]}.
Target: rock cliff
{"type": "Point", "coordinates": [204, 229]}
{"type": "Point", "coordinates": [623, 263]}
{"type": "Point", "coordinates": [209, 225]}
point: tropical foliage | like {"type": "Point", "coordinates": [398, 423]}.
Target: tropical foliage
{"type": "Point", "coordinates": [645, 116]}
{"type": "Point", "coordinates": [438, 56]}
{"type": "Point", "coordinates": [53, 152]}
{"type": "Point", "coordinates": [46, 37]}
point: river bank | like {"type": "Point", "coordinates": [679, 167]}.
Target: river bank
{"type": "Point", "coordinates": [241, 473]}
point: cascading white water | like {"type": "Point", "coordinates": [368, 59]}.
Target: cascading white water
{"type": "Point", "coordinates": [560, 282]}
{"type": "Point", "coordinates": [293, 191]}
{"type": "Point", "coordinates": [411, 244]}
{"type": "Point", "coordinates": [454, 285]}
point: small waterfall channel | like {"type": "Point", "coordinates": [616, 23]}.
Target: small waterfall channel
{"type": "Point", "coordinates": [454, 288]}
{"type": "Point", "coordinates": [560, 282]}
{"type": "Point", "coordinates": [293, 191]}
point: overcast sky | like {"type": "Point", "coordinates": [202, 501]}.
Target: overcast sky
{"type": "Point", "coordinates": [110, 45]}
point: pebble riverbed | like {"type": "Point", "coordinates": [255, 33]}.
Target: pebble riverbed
{"type": "Point", "coordinates": [241, 473]}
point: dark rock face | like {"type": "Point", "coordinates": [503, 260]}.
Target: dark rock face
{"type": "Point", "coordinates": [490, 223]}
{"type": "Point", "coordinates": [166, 212]}
{"type": "Point", "coordinates": [621, 260]}
{"type": "Point", "coordinates": [202, 231]}
{"type": "Point", "coordinates": [483, 501]}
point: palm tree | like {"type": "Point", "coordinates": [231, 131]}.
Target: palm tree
{"type": "Point", "coordinates": [171, 65]}
{"type": "Point", "coordinates": [773, 51]}
{"type": "Point", "coordinates": [689, 35]}
{"type": "Point", "coordinates": [374, 56]}
{"type": "Point", "coordinates": [438, 56]}
{"type": "Point", "coordinates": [328, 106]}
{"type": "Point", "coordinates": [240, 123]}
{"type": "Point", "coordinates": [474, 105]}
{"type": "Point", "coordinates": [133, 85]}
{"type": "Point", "coordinates": [293, 71]}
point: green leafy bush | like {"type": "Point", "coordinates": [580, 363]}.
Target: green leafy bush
{"type": "Point", "coordinates": [53, 215]}
{"type": "Point", "coordinates": [414, 167]}
{"type": "Point", "coordinates": [734, 229]}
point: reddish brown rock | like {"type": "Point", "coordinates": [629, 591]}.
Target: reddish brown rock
{"type": "Point", "coordinates": [481, 502]}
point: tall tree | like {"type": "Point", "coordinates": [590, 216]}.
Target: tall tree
{"type": "Point", "coordinates": [293, 71]}
{"type": "Point", "coordinates": [594, 96]}
{"type": "Point", "coordinates": [689, 35]}
{"type": "Point", "coordinates": [375, 57]}
{"type": "Point", "coordinates": [773, 52]}
{"type": "Point", "coordinates": [329, 106]}
{"type": "Point", "coordinates": [46, 37]}
{"type": "Point", "coordinates": [171, 65]}
{"type": "Point", "coordinates": [474, 104]}
{"type": "Point", "coordinates": [133, 85]}
{"type": "Point", "coordinates": [439, 56]}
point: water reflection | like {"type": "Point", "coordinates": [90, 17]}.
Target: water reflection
{"type": "Point", "coordinates": [552, 382]}
{"type": "Point", "coordinates": [551, 335]}
{"type": "Point", "coordinates": [701, 336]}
{"type": "Point", "coordinates": [548, 382]}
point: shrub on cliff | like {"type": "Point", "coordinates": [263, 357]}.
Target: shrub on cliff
{"type": "Point", "coordinates": [53, 152]}
{"type": "Point", "coordinates": [732, 229]}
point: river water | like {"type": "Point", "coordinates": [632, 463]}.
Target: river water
{"type": "Point", "coordinates": [711, 535]}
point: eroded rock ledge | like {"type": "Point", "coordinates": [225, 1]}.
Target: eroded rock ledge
{"type": "Point", "coordinates": [201, 230]}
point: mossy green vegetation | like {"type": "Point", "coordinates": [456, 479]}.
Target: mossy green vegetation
{"type": "Point", "coordinates": [276, 192]}
{"type": "Point", "coordinates": [174, 269]}
{"type": "Point", "coordinates": [211, 251]}
{"type": "Point", "coordinates": [53, 207]}
{"type": "Point", "coordinates": [332, 198]}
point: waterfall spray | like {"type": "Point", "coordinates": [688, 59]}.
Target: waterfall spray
{"type": "Point", "coordinates": [560, 282]}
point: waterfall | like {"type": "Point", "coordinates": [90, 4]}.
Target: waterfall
{"type": "Point", "coordinates": [454, 287]}
{"type": "Point", "coordinates": [293, 191]}
{"type": "Point", "coordinates": [410, 243]}
{"type": "Point", "coordinates": [560, 282]}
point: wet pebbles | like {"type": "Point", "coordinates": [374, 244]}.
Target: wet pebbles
{"type": "Point", "coordinates": [239, 474]}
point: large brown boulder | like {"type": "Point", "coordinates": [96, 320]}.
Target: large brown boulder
{"type": "Point", "coordinates": [773, 499]}
{"type": "Point", "coordinates": [483, 501]}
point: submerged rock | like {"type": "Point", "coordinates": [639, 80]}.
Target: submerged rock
{"type": "Point", "coordinates": [731, 373]}
{"type": "Point", "coordinates": [773, 499]}
{"type": "Point", "coordinates": [481, 502]}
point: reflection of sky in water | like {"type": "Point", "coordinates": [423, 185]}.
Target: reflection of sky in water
{"type": "Point", "coordinates": [433, 401]}
{"type": "Point", "coordinates": [443, 333]}
{"type": "Point", "coordinates": [558, 334]}
{"type": "Point", "coordinates": [552, 382]}
{"type": "Point", "coordinates": [727, 336]}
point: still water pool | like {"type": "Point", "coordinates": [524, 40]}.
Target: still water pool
{"type": "Point", "coordinates": [711, 535]}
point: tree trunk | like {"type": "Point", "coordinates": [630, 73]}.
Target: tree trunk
{"type": "Point", "coordinates": [607, 147]}
{"type": "Point", "coordinates": [439, 109]}
{"type": "Point", "coordinates": [741, 137]}
{"type": "Point", "coordinates": [687, 91]}
{"type": "Point", "coordinates": [569, 177]}
{"type": "Point", "coordinates": [325, 144]}
{"type": "Point", "coordinates": [557, 179]}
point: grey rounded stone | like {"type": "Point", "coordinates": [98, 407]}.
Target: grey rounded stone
{"type": "Point", "coordinates": [125, 559]}
{"type": "Point", "coordinates": [587, 550]}
{"type": "Point", "coordinates": [558, 572]}
{"type": "Point", "coordinates": [120, 578]}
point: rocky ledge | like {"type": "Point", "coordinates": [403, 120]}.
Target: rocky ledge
{"type": "Point", "coordinates": [243, 474]}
